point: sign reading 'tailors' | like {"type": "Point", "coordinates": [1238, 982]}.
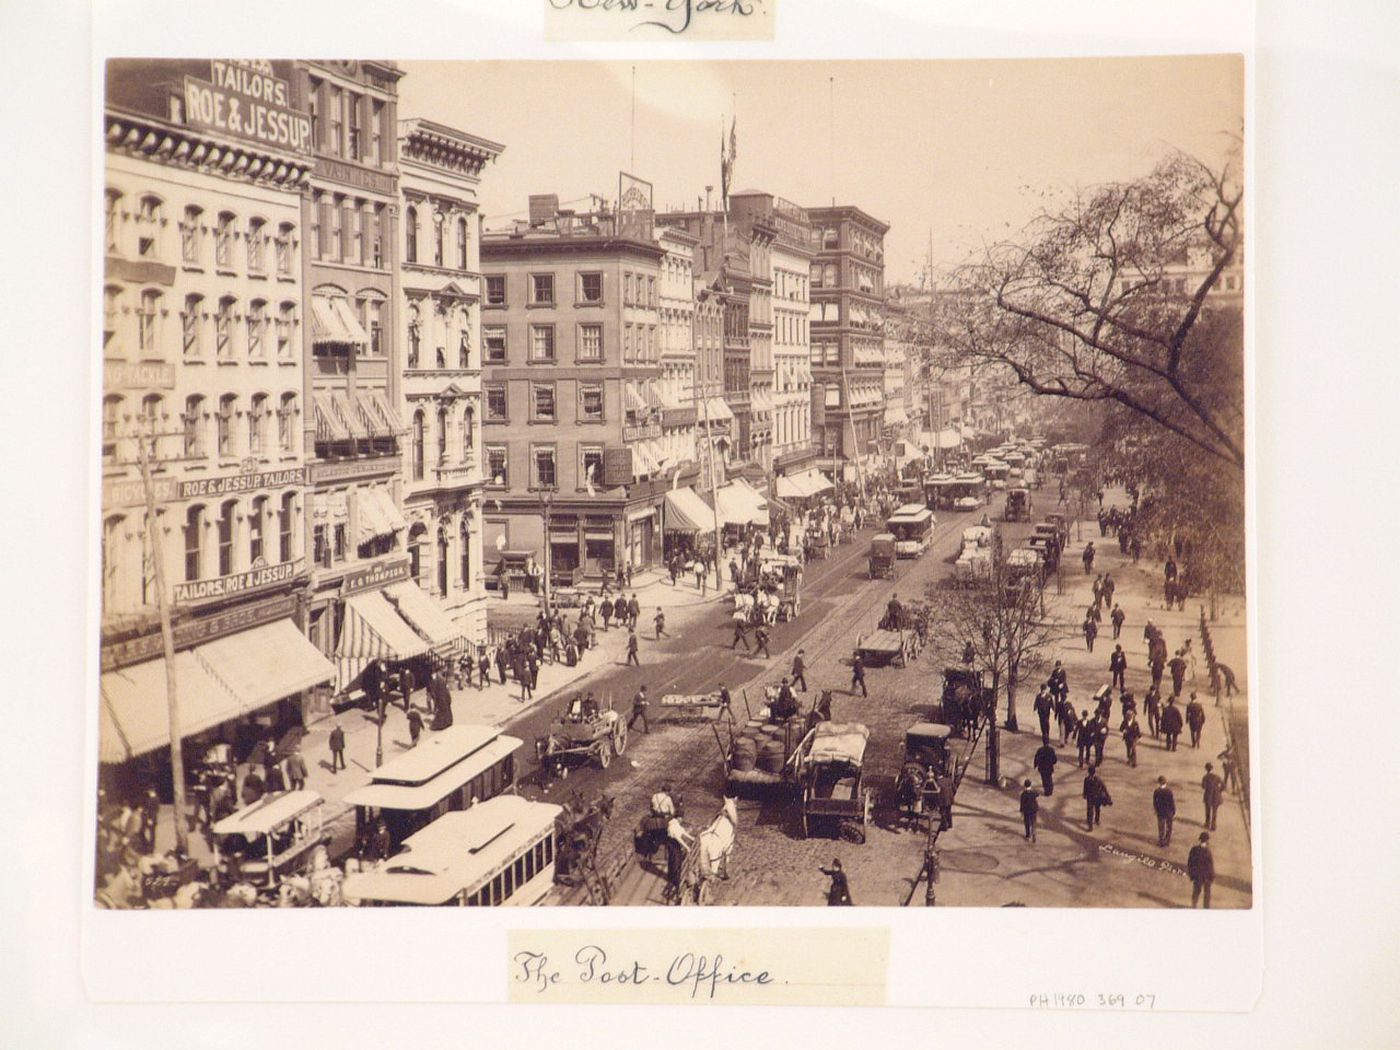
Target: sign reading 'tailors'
{"type": "Point", "coordinates": [244, 98]}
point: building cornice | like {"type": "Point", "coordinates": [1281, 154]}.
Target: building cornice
{"type": "Point", "coordinates": [163, 142]}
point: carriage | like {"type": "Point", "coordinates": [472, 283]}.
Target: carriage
{"type": "Point", "coordinates": [780, 576]}
{"type": "Point", "coordinates": [926, 757]}
{"type": "Point", "coordinates": [582, 734]}
{"type": "Point", "coordinates": [707, 858]}
{"type": "Point", "coordinates": [830, 772]}
{"type": "Point", "coordinates": [261, 841]}
{"type": "Point", "coordinates": [883, 647]}
{"type": "Point", "coordinates": [1018, 505]}
{"type": "Point", "coordinates": [964, 699]}
{"type": "Point", "coordinates": [882, 556]}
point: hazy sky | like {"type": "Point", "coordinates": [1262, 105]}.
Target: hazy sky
{"type": "Point", "coordinates": [962, 149]}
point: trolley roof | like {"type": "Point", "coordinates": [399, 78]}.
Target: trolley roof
{"type": "Point", "coordinates": [268, 813]}
{"type": "Point", "coordinates": [424, 796]}
{"type": "Point", "coordinates": [456, 852]}
{"type": "Point", "coordinates": [435, 753]}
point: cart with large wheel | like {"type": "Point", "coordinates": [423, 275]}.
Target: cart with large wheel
{"type": "Point", "coordinates": [582, 734]}
{"type": "Point", "coordinates": [884, 647]}
{"type": "Point", "coordinates": [830, 771]}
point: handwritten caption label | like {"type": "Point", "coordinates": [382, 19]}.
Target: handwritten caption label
{"type": "Point", "coordinates": [575, 20]}
{"type": "Point", "coordinates": [838, 966]}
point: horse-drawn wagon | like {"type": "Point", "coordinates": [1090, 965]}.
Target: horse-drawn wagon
{"type": "Point", "coordinates": [964, 700]}
{"type": "Point", "coordinates": [882, 556]}
{"type": "Point", "coordinates": [830, 771]}
{"type": "Point", "coordinates": [582, 734]}
{"type": "Point", "coordinates": [884, 646]}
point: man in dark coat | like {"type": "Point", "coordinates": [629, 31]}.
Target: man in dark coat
{"type": "Point", "coordinates": [1084, 737]}
{"type": "Point", "coordinates": [640, 705]}
{"type": "Point", "coordinates": [1089, 558]}
{"type": "Point", "coordinates": [1200, 865]}
{"type": "Point", "coordinates": [337, 744]}
{"type": "Point", "coordinates": [1177, 666]}
{"type": "Point", "coordinates": [799, 669]}
{"type": "Point", "coordinates": [1164, 805]}
{"type": "Point", "coordinates": [945, 801]}
{"type": "Point", "coordinates": [785, 705]}
{"type": "Point", "coordinates": [1030, 808]}
{"type": "Point", "coordinates": [1117, 617]}
{"type": "Point", "coordinates": [1132, 733]}
{"type": "Point", "coordinates": [1171, 723]}
{"type": "Point", "coordinates": [1108, 588]}
{"type": "Point", "coordinates": [1212, 794]}
{"type": "Point", "coordinates": [1069, 721]}
{"type": "Point", "coordinates": [632, 648]}
{"type": "Point", "coordinates": [438, 691]}
{"type": "Point", "coordinates": [1096, 796]}
{"type": "Point", "coordinates": [1100, 736]}
{"type": "Point", "coordinates": [839, 895]}
{"type": "Point", "coordinates": [605, 611]}
{"type": "Point", "coordinates": [415, 726]}
{"type": "Point", "coordinates": [741, 634]}
{"type": "Point", "coordinates": [1091, 631]}
{"type": "Point", "coordinates": [1044, 762]}
{"type": "Point", "coordinates": [1118, 667]}
{"type": "Point", "coordinates": [296, 769]}
{"type": "Point", "coordinates": [1043, 705]}
{"type": "Point", "coordinates": [406, 687]}
{"type": "Point", "coordinates": [620, 609]}
{"type": "Point", "coordinates": [1152, 706]}
{"type": "Point", "coordinates": [858, 675]}
{"type": "Point", "coordinates": [373, 682]}
{"type": "Point", "coordinates": [483, 668]}
{"type": "Point", "coordinates": [1195, 719]}
{"type": "Point", "coordinates": [1058, 681]}
{"type": "Point", "coordinates": [501, 663]}
{"type": "Point", "coordinates": [760, 642]}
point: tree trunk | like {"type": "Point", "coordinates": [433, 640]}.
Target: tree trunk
{"type": "Point", "coordinates": [1011, 724]}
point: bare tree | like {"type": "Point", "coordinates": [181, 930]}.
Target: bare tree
{"type": "Point", "coordinates": [1003, 619]}
{"type": "Point", "coordinates": [1103, 300]}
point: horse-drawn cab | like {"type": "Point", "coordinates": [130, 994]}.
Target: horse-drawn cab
{"type": "Point", "coordinates": [926, 757]}
{"type": "Point", "coordinates": [583, 733]}
{"type": "Point", "coordinates": [882, 556]}
{"type": "Point", "coordinates": [964, 699]}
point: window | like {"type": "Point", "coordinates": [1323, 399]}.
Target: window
{"type": "Point", "coordinates": [590, 402]}
{"type": "Point", "coordinates": [147, 323]}
{"type": "Point", "coordinates": [338, 546]}
{"type": "Point", "coordinates": [355, 231]}
{"type": "Point", "coordinates": [651, 291]}
{"type": "Point", "coordinates": [590, 342]}
{"type": "Point", "coordinates": [542, 342]}
{"type": "Point", "coordinates": [496, 290]}
{"type": "Point", "coordinates": [465, 546]}
{"type": "Point", "coordinates": [320, 548]}
{"type": "Point", "coordinates": [335, 137]}
{"type": "Point", "coordinates": [193, 420]}
{"type": "Point", "coordinates": [590, 465]}
{"type": "Point", "coordinates": [256, 521]}
{"type": "Point", "coordinates": [256, 413]}
{"type": "Point", "coordinates": [284, 249]}
{"type": "Point", "coordinates": [626, 343]}
{"type": "Point", "coordinates": [497, 465]}
{"type": "Point", "coordinates": [286, 423]}
{"type": "Point", "coordinates": [149, 219]}
{"type": "Point", "coordinates": [415, 336]}
{"type": "Point", "coordinates": [189, 325]}
{"type": "Point", "coordinates": [590, 287]}
{"type": "Point", "coordinates": [257, 327]}
{"type": "Point", "coordinates": [462, 244]}
{"type": "Point", "coordinates": [223, 329]}
{"type": "Point", "coordinates": [627, 289]}
{"type": "Point", "coordinates": [437, 238]}
{"type": "Point", "coordinates": [256, 245]}
{"type": "Point", "coordinates": [468, 433]}
{"type": "Point", "coordinates": [418, 441]}
{"type": "Point", "coordinates": [376, 120]}
{"type": "Point", "coordinates": [111, 426]}
{"type": "Point", "coordinates": [112, 212]}
{"type": "Point", "coordinates": [496, 410]}
{"type": "Point", "coordinates": [194, 529]}
{"type": "Point", "coordinates": [352, 120]}
{"type": "Point", "coordinates": [284, 526]}
{"type": "Point", "coordinates": [542, 457]}
{"type": "Point", "coordinates": [111, 306]}
{"type": "Point", "coordinates": [464, 339]}
{"type": "Point", "coordinates": [441, 436]}
{"type": "Point", "coordinates": [376, 237]}
{"type": "Point", "coordinates": [286, 326]}
{"type": "Point", "coordinates": [493, 344]}
{"type": "Point", "coordinates": [223, 240]}
{"type": "Point", "coordinates": [410, 226]}
{"type": "Point", "coordinates": [542, 402]}
{"type": "Point", "coordinates": [226, 516]}
{"type": "Point", "coordinates": [189, 235]}
{"type": "Point", "coordinates": [371, 318]}
{"type": "Point", "coordinates": [336, 236]}
{"type": "Point", "coordinates": [542, 289]}
{"type": "Point", "coordinates": [228, 408]}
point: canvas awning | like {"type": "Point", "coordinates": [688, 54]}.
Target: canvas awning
{"type": "Point", "coordinates": [373, 630]}
{"type": "Point", "coordinates": [265, 664]}
{"type": "Point", "coordinates": [740, 504]}
{"type": "Point", "coordinates": [687, 512]}
{"type": "Point", "coordinates": [332, 321]}
{"type": "Point", "coordinates": [894, 413]}
{"type": "Point", "coordinates": [329, 425]}
{"type": "Point", "coordinates": [135, 715]}
{"type": "Point", "coordinates": [788, 487]}
{"type": "Point", "coordinates": [378, 514]}
{"type": "Point", "coordinates": [716, 410]}
{"type": "Point", "coordinates": [427, 617]}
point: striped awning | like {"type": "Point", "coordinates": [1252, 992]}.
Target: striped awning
{"type": "Point", "coordinates": [329, 425]}
{"type": "Point", "coordinates": [379, 516]}
{"type": "Point", "coordinates": [333, 322]}
{"type": "Point", "coordinates": [349, 415]}
{"type": "Point", "coordinates": [427, 617]}
{"type": "Point", "coordinates": [717, 410]}
{"type": "Point", "coordinates": [374, 631]}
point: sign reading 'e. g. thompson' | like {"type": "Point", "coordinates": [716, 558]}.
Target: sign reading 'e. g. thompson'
{"type": "Point", "coordinates": [246, 100]}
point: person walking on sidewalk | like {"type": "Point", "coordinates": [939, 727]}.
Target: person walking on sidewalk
{"type": "Point", "coordinates": [1096, 796]}
{"type": "Point", "coordinates": [1108, 588]}
{"type": "Point", "coordinates": [1100, 737]}
{"type": "Point", "coordinates": [839, 894]}
{"type": "Point", "coordinates": [1171, 723]}
{"type": "Point", "coordinates": [620, 610]}
{"type": "Point", "coordinates": [1069, 721]}
{"type": "Point", "coordinates": [1084, 738]}
{"type": "Point", "coordinates": [1152, 706]}
{"type": "Point", "coordinates": [858, 676]}
{"type": "Point", "coordinates": [1212, 794]}
{"type": "Point", "coordinates": [1118, 667]}
{"type": "Point", "coordinates": [1058, 681]}
{"type": "Point", "coordinates": [1088, 557]}
{"type": "Point", "coordinates": [660, 624]}
{"type": "Point", "coordinates": [1091, 631]}
{"type": "Point", "coordinates": [640, 703]}
{"type": "Point", "coordinates": [296, 769]}
{"type": "Point", "coordinates": [632, 648]}
{"type": "Point", "coordinates": [337, 744]}
{"type": "Point", "coordinates": [760, 642]}
{"type": "Point", "coordinates": [501, 663]}
{"type": "Point", "coordinates": [701, 583]}
{"type": "Point", "coordinates": [634, 608]}
{"type": "Point", "coordinates": [483, 671]}
{"type": "Point", "coordinates": [1200, 865]}
{"type": "Point", "coordinates": [799, 669]}
{"type": "Point", "coordinates": [606, 612]}
{"type": "Point", "coordinates": [1044, 762]}
{"type": "Point", "coordinates": [1164, 805]}
{"type": "Point", "coordinates": [1177, 666]}
{"type": "Point", "coordinates": [946, 790]}
{"type": "Point", "coordinates": [1195, 720]}
{"type": "Point", "coordinates": [1030, 809]}
{"type": "Point", "coordinates": [415, 726]}
{"type": "Point", "coordinates": [1132, 733]}
{"type": "Point", "coordinates": [1043, 705]}
{"type": "Point", "coordinates": [1228, 773]}
{"type": "Point", "coordinates": [1117, 617]}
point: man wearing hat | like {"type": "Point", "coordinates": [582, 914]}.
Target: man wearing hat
{"type": "Point", "coordinates": [1200, 865]}
{"type": "Point", "coordinates": [799, 669]}
{"type": "Point", "coordinates": [839, 895]}
{"type": "Point", "coordinates": [1164, 805]}
{"type": "Point", "coordinates": [1212, 793]}
{"type": "Point", "coordinates": [1030, 808]}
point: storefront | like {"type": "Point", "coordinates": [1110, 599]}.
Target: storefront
{"type": "Point", "coordinates": [641, 533]}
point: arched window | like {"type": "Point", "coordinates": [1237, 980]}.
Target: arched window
{"type": "Point", "coordinates": [150, 217]}
{"type": "Point", "coordinates": [224, 234]}
{"type": "Point", "coordinates": [410, 226]}
{"type": "Point", "coordinates": [468, 434]}
{"type": "Point", "coordinates": [112, 205]}
{"type": "Point", "coordinates": [227, 516]}
{"type": "Point", "coordinates": [152, 420]}
{"type": "Point", "coordinates": [194, 427]}
{"type": "Point", "coordinates": [223, 328]}
{"type": "Point", "coordinates": [257, 246]}
{"type": "Point", "coordinates": [256, 522]}
{"type": "Point", "coordinates": [111, 426]}
{"type": "Point", "coordinates": [228, 409]}
{"type": "Point", "coordinates": [286, 519]}
{"type": "Point", "coordinates": [462, 244]}
{"type": "Point", "coordinates": [416, 538]}
{"type": "Point", "coordinates": [464, 541]}
{"type": "Point", "coordinates": [111, 308]}
{"type": "Point", "coordinates": [194, 537]}
{"type": "Point", "coordinates": [286, 422]}
{"type": "Point", "coordinates": [464, 338]}
{"type": "Point", "coordinates": [286, 329]}
{"type": "Point", "coordinates": [190, 326]}
{"type": "Point", "coordinates": [438, 235]}
{"type": "Point", "coordinates": [257, 328]}
{"type": "Point", "coordinates": [257, 413]}
{"type": "Point", "coordinates": [415, 335]}
{"type": "Point", "coordinates": [286, 232]}
{"type": "Point", "coordinates": [442, 560]}
{"type": "Point", "coordinates": [441, 436]}
{"type": "Point", "coordinates": [148, 323]}
{"type": "Point", "coordinates": [418, 423]}
{"type": "Point", "coordinates": [190, 235]}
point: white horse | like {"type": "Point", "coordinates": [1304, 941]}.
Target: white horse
{"type": "Point", "coordinates": [713, 846]}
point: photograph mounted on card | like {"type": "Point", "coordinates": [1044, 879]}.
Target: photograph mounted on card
{"type": "Point", "coordinates": [653, 21]}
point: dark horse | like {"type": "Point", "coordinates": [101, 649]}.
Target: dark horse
{"type": "Point", "coordinates": [580, 827]}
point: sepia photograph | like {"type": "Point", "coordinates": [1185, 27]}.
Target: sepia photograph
{"type": "Point", "coordinates": [673, 483]}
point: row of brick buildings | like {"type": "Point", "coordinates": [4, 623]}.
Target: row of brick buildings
{"type": "Point", "coordinates": [354, 406]}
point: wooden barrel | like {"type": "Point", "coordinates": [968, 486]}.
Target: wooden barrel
{"type": "Point", "coordinates": [770, 757]}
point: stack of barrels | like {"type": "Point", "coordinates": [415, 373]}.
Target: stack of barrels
{"type": "Point", "coordinates": [759, 746]}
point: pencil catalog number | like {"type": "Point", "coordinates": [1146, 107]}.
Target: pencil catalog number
{"type": "Point", "coordinates": [1096, 1001]}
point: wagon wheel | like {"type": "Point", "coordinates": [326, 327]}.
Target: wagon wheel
{"type": "Point", "coordinates": [703, 893]}
{"type": "Point", "coordinates": [619, 736]}
{"type": "Point", "coordinates": [605, 754]}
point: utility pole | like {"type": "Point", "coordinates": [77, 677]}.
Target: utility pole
{"type": "Point", "coordinates": [167, 641]}
{"type": "Point", "coordinates": [714, 490]}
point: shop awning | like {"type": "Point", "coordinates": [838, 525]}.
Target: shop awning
{"type": "Point", "coordinates": [265, 664]}
{"type": "Point", "coordinates": [633, 400]}
{"type": "Point", "coordinates": [349, 415]}
{"type": "Point", "coordinates": [427, 617]}
{"type": "Point", "coordinates": [329, 425]}
{"type": "Point", "coordinates": [761, 400]}
{"type": "Point", "coordinates": [687, 512]}
{"type": "Point", "coordinates": [740, 504]}
{"type": "Point", "coordinates": [717, 410]}
{"type": "Point", "coordinates": [135, 716]}
{"type": "Point", "coordinates": [332, 321]}
{"type": "Point", "coordinates": [894, 412]}
{"type": "Point", "coordinates": [350, 322]}
{"type": "Point", "coordinates": [373, 630]}
{"type": "Point", "coordinates": [803, 485]}
{"type": "Point", "coordinates": [378, 514]}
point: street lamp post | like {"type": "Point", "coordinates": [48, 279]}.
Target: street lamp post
{"type": "Point", "coordinates": [546, 503]}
